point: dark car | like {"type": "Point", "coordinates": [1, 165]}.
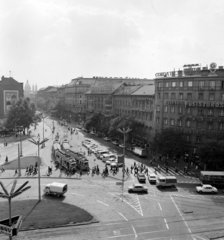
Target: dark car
{"type": "Point", "coordinates": [141, 177]}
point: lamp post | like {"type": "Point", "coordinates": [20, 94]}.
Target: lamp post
{"type": "Point", "coordinates": [124, 132]}
{"type": "Point", "coordinates": [20, 129]}
{"type": "Point", "coordinates": [38, 143]}
{"type": "Point", "coordinates": [43, 117]}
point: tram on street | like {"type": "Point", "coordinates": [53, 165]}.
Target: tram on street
{"type": "Point", "coordinates": [215, 178]}
{"type": "Point", "coordinates": [81, 161]}
{"type": "Point", "coordinates": [56, 146]}
{"type": "Point", "coordinates": [65, 160]}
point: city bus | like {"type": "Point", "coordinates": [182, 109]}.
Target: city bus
{"type": "Point", "coordinates": [215, 178]}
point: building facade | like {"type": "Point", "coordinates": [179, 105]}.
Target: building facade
{"type": "Point", "coordinates": [10, 92]}
{"type": "Point", "coordinates": [191, 100]}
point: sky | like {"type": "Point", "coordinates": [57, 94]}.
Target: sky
{"type": "Point", "coordinates": [50, 42]}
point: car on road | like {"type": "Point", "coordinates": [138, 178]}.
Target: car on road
{"type": "Point", "coordinates": [86, 142]}
{"type": "Point", "coordinates": [92, 133]}
{"type": "Point", "coordinates": [106, 139]}
{"type": "Point", "coordinates": [152, 178]}
{"type": "Point", "coordinates": [141, 177]}
{"type": "Point", "coordinates": [206, 188]}
{"type": "Point", "coordinates": [93, 145]}
{"type": "Point", "coordinates": [100, 153]}
{"type": "Point", "coordinates": [121, 145]}
{"type": "Point", "coordinates": [111, 160]}
{"type": "Point", "coordinates": [115, 142]}
{"type": "Point", "coordinates": [130, 149]}
{"type": "Point", "coordinates": [138, 188]}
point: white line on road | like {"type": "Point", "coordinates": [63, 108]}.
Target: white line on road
{"type": "Point", "coordinates": [166, 223]}
{"type": "Point", "coordinates": [102, 203]}
{"type": "Point", "coordinates": [160, 207]}
{"type": "Point", "coordinates": [78, 194]}
{"type": "Point", "coordinates": [123, 216]}
{"type": "Point", "coordinates": [134, 231]}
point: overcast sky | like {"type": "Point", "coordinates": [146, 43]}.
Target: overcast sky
{"type": "Point", "coordinates": [51, 42]}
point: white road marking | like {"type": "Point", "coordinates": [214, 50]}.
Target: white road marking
{"type": "Point", "coordinates": [123, 216]}
{"type": "Point", "coordinates": [78, 194]}
{"type": "Point", "coordinates": [134, 231]}
{"type": "Point", "coordinates": [181, 216]}
{"type": "Point", "coordinates": [166, 223]}
{"type": "Point", "coordinates": [199, 237]}
{"type": "Point", "coordinates": [102, 203]}
{"type": "Point", "coordinates": [160, 207]}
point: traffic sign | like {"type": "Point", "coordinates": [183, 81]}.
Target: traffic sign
{"type": "Point", "coordinates": [118, 183]}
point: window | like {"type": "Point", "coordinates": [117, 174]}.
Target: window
{"type": "Point", "coordinates": [211, 96]}
{"type": "Point", "coordinates": [200, 111]}
{"type": "Point", "coordinates": [221, 126]}
{"type": "Point", "coordinates": [199, 124]}
{"type": "Point", "coordinates": [166, 109]}
{"type": "Point", "coordinates": [181, 84]}
{"type": "Point", "coordinates": [222, 96]}
{"type": "Point", "coordinates": [172, 122]}
{"type": "Point", "coordinates": [179, 122]}
{"type": "Point", "coordinates": [221, 113]}
{"type": "Point", "coordinates": [210, 111]}
{"type": "Point", "coordinates": [173, 84]}
{"type": "Point", "coordinates": [210, 125]}
{"type": "Point", "coordinates": [201, 84]}
{"type": "Point", "coordinates": [172, 109]}
{"type": "Point", "coordinates": [160, 85]}
{"type": "Point", "coordinates": [180, 109]}
{"type": "Point", "coordinates": [158, 108]}
{"type": "Point", "coordinates": [212, 85]}
{"type": "Point", "coordinates": [188, 110]}
{"type": "Point", "coordinates": [200, 96]}
{"type": "Point", "coordinates": [181, 95]}
{"type": "Point", "coordinates": [190, 84]}
{"type": "Point", "coordinates": [167, 84]}
{"type": "Point", "coordinates": [158, 95]}
{"type": "Point", "coordinates": [222, 85]}
{"type": "Point", "coordinates": [165, 121]}
{"type": "Point", "coordinates": [166, 95]}
{"type": "Point", "coordinates": [188, 138]}
{"type": "Point", "coordinates": [189, 96]}
{"type": "Point", "coordinates": [172, 95]}
{"type": "Point", "coordinates": [198, 139]}
{"type": "Point", "coordinates": [188, 123]}
{"type": "Point", "coordinates": [157, 120]}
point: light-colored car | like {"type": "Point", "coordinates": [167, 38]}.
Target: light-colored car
{"type": "Point", "coordinates": [106, 139]}
{"type": "Point", "coordinates": [111, 160]}
{"type": "Point", "coordinates": [86, 141]}
{"type": "Point", "coordinates": [121, 145]}
{"type": "Point", "coordinates": [116, 143]}
{"type": "Point", "coordinates": [152, 178]}
{"type": "Point", "coordinates": [206, 189]}
{"type": "Point", "coordinates": [108, 156]}
{"type": "Point", "coordinates": [141, 177]}
{"type": "Point", "coordinates": [93, 145]}
{"type": "Point", "coordinates": [138, 188]}
{"type": "Point", "coordinates": [100, 153]}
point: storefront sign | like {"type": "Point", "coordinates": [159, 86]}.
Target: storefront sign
{"type": "Point", "coordinates": [196, 104]}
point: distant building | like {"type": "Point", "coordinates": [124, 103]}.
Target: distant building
{"type": "Point", "coordinates": [10, 92]}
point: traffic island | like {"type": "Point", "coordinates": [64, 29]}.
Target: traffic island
{"type": "Point", "coordinates": [49, 213]}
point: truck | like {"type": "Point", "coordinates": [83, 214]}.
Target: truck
{"type": "Point", "coordinates": [166, 181]}
{"type": "Point", "coordinates": [58, 189]}
{"type": "Point", "coordinates": [140, 152]}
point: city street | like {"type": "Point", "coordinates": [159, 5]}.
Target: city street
{"type": "Point", "coordinates": [161, 214]}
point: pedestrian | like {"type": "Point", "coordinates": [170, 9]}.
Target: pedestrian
{"type": "Point", "coordinates": [6, 159]}
{"type": "Point", "coordinates": [16, 172]}
{"type": "Point", "coordinates": [196, 167]}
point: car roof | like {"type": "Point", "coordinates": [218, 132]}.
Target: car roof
{"type": "Point", "coordinates": [207, 185]}
{"type": "Point", "coordinates": [138, 184]}
{"type": "Point", "coordinates": [152, 175]}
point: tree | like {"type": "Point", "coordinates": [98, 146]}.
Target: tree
{"type": "Point", "coordinates": [212, 154]}
{"type": "Point", "coordinates": [94, 121]}
{"type": "Point", "coordinates": [22, 113]}
{"type": "Point", "coordinates": [169, 142]}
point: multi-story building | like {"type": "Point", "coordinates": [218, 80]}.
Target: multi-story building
{"type": "Point", "coordinates": [137, 102]}
{"type": "Point", "coordinates": [10, 92]}
{"type": "Point", "coordinates": [100, 96]}
{"type": "Point", "coordinates": [191, 100]}
{"type": "Point", "coordinates": [48, 92]}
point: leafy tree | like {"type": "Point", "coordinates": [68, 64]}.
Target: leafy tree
{"type": "Point", "coordinates": [46, 104]}
{"type": "Point", "coordinates": [59, 110]}
{"type": "Point", "coordinates": [169, 142]}
{"type": "Point", "coordinates": [212, 154]}
{"type": "Point", "coordinates": [94, 121]}
{"type": "Point", "coordinates": [22, 113]}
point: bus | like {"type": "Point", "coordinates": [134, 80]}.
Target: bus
{"type": "Point", "coordinates": [82, 162]}
{"type": "Point", "coordinates": [215, 178]}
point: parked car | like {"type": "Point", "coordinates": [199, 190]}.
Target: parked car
{"type": "Point", "coordinates": [100, 154]}
{"type": "Point", "coordinates": [106, 139]}
{"type": "Point", "coordinates": [152, 178]}
{"type": "Point", "coordinates": [111, 160]}
{"type": "Point", "coordinates": [206, 188]}
{"type": "Point", "coordinates": [130, 149]}
{"type": "Point", "coordinates": [140, 152]}
{"type": "Point", "coordinates": [116, 143]}
{"type": "Point", "coordinates": [92, 133]}
{"type": "Point", "coordinates": [86, 142]}
{"type": "Point", "coordinates": [138, 188]}
{"type": "Point", "coordinates": [121, 145]}
{"type": "Point", "coordinates": [93, 145]}
{"type": "Point", "coordinates": [141, 177]}
{"type": "Point", "coordinates": [108, 156]}
{"type": "Point", "coordinates": [91, 148]}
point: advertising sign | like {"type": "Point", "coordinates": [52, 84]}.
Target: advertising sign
{"type": "Point", "coordinates": [9, 98]}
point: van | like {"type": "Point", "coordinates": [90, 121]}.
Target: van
{"type": "Point", "coordinates": [167, 181]}
{"type": "Point", "coordinates": [58, 189]}
{"type": "Point", "coordinates": [140, 152]}
{"type": "Point", "coordinates": [100, 153]}
{"type": "Point", "coordinates": [108, 156]}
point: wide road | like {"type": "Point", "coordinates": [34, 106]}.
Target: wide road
{"type": "Point", "coordinates": [161, 214]}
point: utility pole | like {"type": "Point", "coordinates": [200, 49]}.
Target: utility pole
{"type": "Point", "coordinates": [19, 162]}
{"type": "Point", "coordinates": [124, 132]}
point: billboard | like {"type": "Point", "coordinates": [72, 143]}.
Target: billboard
{"type": "Point", "coordinates": [9, 98]}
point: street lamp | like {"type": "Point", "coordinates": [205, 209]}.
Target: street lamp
{"type": "Point", "coordinates": [123, 131]}
{"type": "Point", "coordinates": [38, 143]}
{"type": "Point", "coordinates": [20, 129]}
{"type": "Point", "coordinates": [43, 127]}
